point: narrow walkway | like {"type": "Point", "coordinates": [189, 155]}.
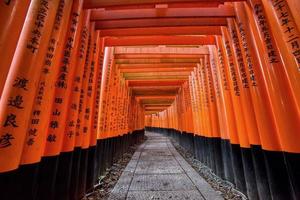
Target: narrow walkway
{"type": "Point", "coordinates": [158, 171]}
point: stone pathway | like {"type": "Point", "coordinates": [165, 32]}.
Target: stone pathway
{"type": "Point", "coordinates": [158, 172]}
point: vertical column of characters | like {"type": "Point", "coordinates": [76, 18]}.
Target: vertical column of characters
{"type": "Point", "coordinates": [176, 111]}
{"type": "Point", "coordinates": [217, 89]}
{"type": "Point", "coordinates": [189, 123]}
{"type": "Point", "coordinates": [121, 95]}
{"type": "Point", "coordinates": [201, 100]}
{"type": "Point", "coordinates": [98, 61]}
{"type": "Point", "coordinates": [236, 89]}
{"type": "Point", "coordinates": [35, 133]}
{"type": "Point", "coordinates": [118, 106]}
{"type": "Point", "coordinates": [171, 118]}
{"type": "Point", "coordinates": [205, 97]}
{"type": "Point", "coordinates": [21, 84]}
{"type": "Point", "coordinates": [127, 108]}
{"type": "Point", "coordinates": [181, 109]}
{"type": "Point", "coordinates": [124, 108]}
{"type": "Point", "coordinates": [108, 99]}
{"type": "Point", "coordinates": [12, 17]}
{"type": "Point", "coordinates": [107, 62]}
{"type": "Point", "coordinates": [131, 115]}
{"type": "Point", "coordinates": [72, 137]}
{"type": "Point", "coordinates": [198, 100]}
{"type": "Point", "coordinates": [81, 130]}
{"type": "Point", "coordinates": [215, 131]}
{"type": "Point", "coordinates": [198, 103]}
{"type": "Point", "coordinates": [114, 103]}
{"type": "Point", "coordinates": [190, 114]}
{"type": "Point", "coordinates": [88, 87]}
{"type": "Point", "coordinates": [111, 97]}
{"type": "Point", "coordinates": [63, 84]}
{"type": "Point", "coordinates": [184, 108]}
{"type": "Point", "coordinates": [194, 95]}
{"type": "Point", "coordinates": [225, 92]}
{"type": "Point", "coordinates": [189, 81]}
{"type": "Point", "coordinates": [96, 123]}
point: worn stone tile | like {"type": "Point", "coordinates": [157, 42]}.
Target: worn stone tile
{"type": "Point", "coordinates": [157, 158]}
{"type": "Point", "coordinates": [169, 166]}
{"type": "Point", "coordinates": [121, 188]}
{"type": "Point", "coordinates": [161, 182]}
{"type": "Point", "coordinates": [164, 195]}
{"type": "Point", "coordinates": [157, 153]}
{"type": "Point", "coordinates": [206, 190]}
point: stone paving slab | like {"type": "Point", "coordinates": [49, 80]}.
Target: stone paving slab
{"type": "Point", "coordinates": [154, 152]}
{"type": "Point", "coordinates": [157, 158]}
{"type": "Point", "coordinates": [164, 195]}
{"type": "Point", "coordinates": [161, 182]}
{"type": "Point", "coordinates": [158, 172]}
{"type": "Point", "coordinates": [169, 166]}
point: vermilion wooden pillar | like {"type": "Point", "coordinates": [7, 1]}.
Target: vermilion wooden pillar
{"type": "Point", "coordinates": [12, 17]}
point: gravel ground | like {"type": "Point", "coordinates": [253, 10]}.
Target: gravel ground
{"type": "Point", "coordinates": [225, 188]}
{"type": "Point", "coordinates": [108, 181]}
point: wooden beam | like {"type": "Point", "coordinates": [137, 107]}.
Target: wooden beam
{"type": "Point", "coordinates": [157, 61]}
{"type": "Point", "coordinates": [154, 92]}
{"type": "Point", "coordinates": [149, 56]}
{"type": "Point", "coordinates": [156, 106]}
{"type": "Point", "coordinates": [159, 40]}
{"type": "Point", "coordinates": [156, 101]}
{"type": "Point", "coordinates": [160, 22]}
{"type": "Point", "coordinates": [156, 109]}
{"type": "Point", "coordinates": [158, 65]}
{"type": "Point", "coordinates": [110, 3]}
{"type": "Point", "coordinates": [162, 49]}
{"type": "Point", "coordinates": [156, 70]}
{"type": "Point", "coordinates": [158, 78]}
{"type": "Point", "coordinates": [166, 97]}
{"type": "Point", "coordinates": [183, 30]}
{"type": "Point", "coordinates": [153, 83]}
{"type": "Point", "coordinates": [223, 11]}
{"type": "Point", "coordinates": [155, 74]}
{"type": "Point", "coordinates": [145, 87]}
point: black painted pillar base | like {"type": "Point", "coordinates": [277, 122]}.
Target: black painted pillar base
{"type": "Point", "coordinates": [73, 192]}
{"type": "Point", "coordinates": [47, 178]}
{"type": "Point", "coordinates": [63, 176]}
{"type": "Point", "coordinates": [91, 168]}
{"type": "Point", "coordinates": [82, 173]}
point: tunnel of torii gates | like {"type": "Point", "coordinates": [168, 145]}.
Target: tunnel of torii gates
{"type": "Point", "coordinates": [81, 79]}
